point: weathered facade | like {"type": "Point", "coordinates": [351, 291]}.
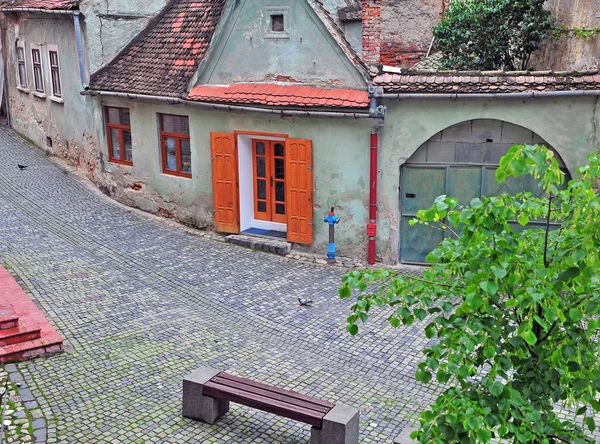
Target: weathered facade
{"type": "Point", "coordinates": [254, 116]}
{"type": "Point", "coordinates": [43, 93]}
{"type": "Point", "coordinates": [399, 33]}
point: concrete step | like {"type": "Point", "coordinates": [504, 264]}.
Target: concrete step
{"type": "Point", "coordinates": [18, 334]}
{"type": "Point", "coordinates": [8, 319]}
{"type": "Point", "coordinates": [267, 244]}
{"type": "Point", "coordinates": [30, 349]}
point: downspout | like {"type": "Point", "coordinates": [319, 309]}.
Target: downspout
{"type": "Point", "coordinates": [82, 76]}
{"type": "Point", "coordinates": [376, 112]}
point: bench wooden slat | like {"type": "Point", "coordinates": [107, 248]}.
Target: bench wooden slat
{"type": "Point", "coordinates": [270, 405]}
{"type": "Point", "coordinates": [289, 393]}
{"type": "Point", "coordinates": [273, 393]}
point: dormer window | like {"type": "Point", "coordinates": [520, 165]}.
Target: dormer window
{"type": "Point", "coordinates": [277, 22]}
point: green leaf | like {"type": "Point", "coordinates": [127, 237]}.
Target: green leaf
{"type": "Point", "coordinates": [430, 331]}
{"type": "Point", "coordinates": [474, 300]}
{"type": "Point", "coordinates": [420, 314]}
{"type": "Point", "coordinates": [423, 376]}
{"type": "Point", "coordinates": [529, 337]}
{"type": "Point", "coordinates": [474, 423]}
{"type": "Point", "coordinates": [344, 292]}
{"type": "Point", "coordinates": [589, 422]}
{"type": "Point", "coordinates": [575, 314]}
{"type": "Point", "coordinates": [476, 203]}
{"type": "Point", "coordinates": [523, 219]}
{"type": "Point", "coordinates": [489, 351]}
{"type": "Point", "coordinates": [496, 388]}
{"type": "Point", "coordinates": [595, 405]}
{"type": "Point", "coordinates": [395, 322]}
{"type": "Point", "coordinates": [352, 329]}
{"type": "Point", "coordinates": [484, 435]}
{"type": "Point", "coordinates": [489, 287]}
{"type": "Point", "coordinates": [442, 377]}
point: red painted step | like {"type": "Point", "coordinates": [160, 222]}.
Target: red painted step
{"type": "Point", "coordinates": [24, 330]}
{"type": "Point", "coordinates": [8, 319]}
{"type": "Point", "coordinates": [19, 334]}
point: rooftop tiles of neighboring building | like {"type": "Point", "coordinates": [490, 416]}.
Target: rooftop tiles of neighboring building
{"type": "Point", "coordinates": [40, 4]}
{"type": "Point", "coordinates": [281, 95]}
{"type": "Point", "coordinates": [407, 81]}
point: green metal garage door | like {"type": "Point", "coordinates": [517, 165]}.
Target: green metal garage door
{"type": "Point", "coordinates": [461, 162]}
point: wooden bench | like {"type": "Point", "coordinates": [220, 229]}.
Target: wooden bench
{"type": "Point", "coordinates": [207, 393]}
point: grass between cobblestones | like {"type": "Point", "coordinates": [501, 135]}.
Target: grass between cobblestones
{"type": "Point", "coordinates": [141, 304]}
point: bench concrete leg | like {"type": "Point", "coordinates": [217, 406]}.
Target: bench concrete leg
{"type": "Point", "coordinates": [340, 426]}
{"type": "Point", "coordinates": [195, 404]}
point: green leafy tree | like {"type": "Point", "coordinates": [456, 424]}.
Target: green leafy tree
{"type": "Point", "coordinates": [492, 34]}
{"type": "Point", "coordinates": [512, 310]}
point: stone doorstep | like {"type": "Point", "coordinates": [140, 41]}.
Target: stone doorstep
{"type": "Point", "coordinates": [270, 245]}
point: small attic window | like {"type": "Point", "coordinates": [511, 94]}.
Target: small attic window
{"type": "Point", "coordinates": [277, 24]}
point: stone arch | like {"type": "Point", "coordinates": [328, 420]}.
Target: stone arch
{"type": "Point", "coordinates": [476, 141]}
{"type": "Point", "coordinates": [459, 161]}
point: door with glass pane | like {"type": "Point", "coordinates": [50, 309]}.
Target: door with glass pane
{"type": "Point", "coordinates": [268, 169]}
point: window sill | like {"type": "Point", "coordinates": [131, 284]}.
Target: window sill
{"type": "Point", "coordinates": [23, 90]}
{"type": "Point", "coordinates": [39, 94]}
{"type": "Point", "coordinates": [120, 162]}
{"type": "Point", "coordinates": [57, 99]}
{"type": "Point", "coordinates": [176, 174]}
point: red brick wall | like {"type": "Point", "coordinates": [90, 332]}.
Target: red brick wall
{"type": "Point", "coordinates": [398, 32]}
{"type": "Point", "coordinates": [371, 26]}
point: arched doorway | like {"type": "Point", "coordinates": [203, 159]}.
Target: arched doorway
{"type": "Point", "coordinates": [459, 161]}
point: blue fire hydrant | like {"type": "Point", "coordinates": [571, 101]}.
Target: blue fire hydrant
{"type": "Point", "coordinates": [331, 219]}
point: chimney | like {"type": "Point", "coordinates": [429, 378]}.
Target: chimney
{"type": "Point", "coordinates": [371, 31]}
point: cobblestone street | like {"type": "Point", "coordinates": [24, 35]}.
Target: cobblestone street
{"type": "Point", "coordinates": [141, 303]}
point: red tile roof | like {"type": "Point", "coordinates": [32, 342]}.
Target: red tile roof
{"type": "Point", "coordinates": [280, 95]}
{"type": "Point", "coordinates": [487, 81]}
{"type": "Point", "coordinates": [163, 58]}
{"type": "Point", "coordinates": [41, 4]}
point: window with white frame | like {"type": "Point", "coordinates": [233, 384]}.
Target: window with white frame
{"type": "Point", "coordinates": [54, 72]}
{"type": "Point", "coordinates": [21, 68]}
{"type": "Point", "coordinates": [38, 72]}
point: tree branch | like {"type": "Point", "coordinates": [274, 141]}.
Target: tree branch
{"type": "Point", "coordinates": [546, 263]}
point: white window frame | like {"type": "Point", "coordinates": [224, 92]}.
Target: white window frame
{"type": "Point", "coordinates": [42, 93]}
{"type": "Point", "coordinates": [57, 98]}
{"type": "Point", "coordinates": [25, 84]}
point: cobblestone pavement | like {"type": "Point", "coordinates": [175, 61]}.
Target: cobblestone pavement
{"type": "Point", "coordinates": [142, 303]}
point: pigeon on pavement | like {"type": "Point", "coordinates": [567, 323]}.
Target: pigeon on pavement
{"type": "Point", "coordinates": [304, 301]}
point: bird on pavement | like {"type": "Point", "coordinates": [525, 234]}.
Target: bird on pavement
{"type": "Point", "coordinates": [21, 167]}
{"type": "Point", "coordinates": [304, 301]}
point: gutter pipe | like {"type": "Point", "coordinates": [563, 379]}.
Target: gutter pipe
{"type": "Point", "coordinates": [45, 11]}
{"type": "Point", "coordinates": [519, 95]}
{"type": "Point", "coordinates": [219, 106]}
{"type": "Point", "coordinates": [77, 25]}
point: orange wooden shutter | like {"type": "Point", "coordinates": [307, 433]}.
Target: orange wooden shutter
{"type": "Point", "coordinates": [298, 178]}
{"type": "Point", "coordinates": [225, 178]}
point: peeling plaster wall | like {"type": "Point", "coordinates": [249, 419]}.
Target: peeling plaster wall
{"type": "Point", "coordinates": [111, 25]}
{"type": "Point", "coordinates": [406, 29]}
{"type": "Point", "coordinates": [69, 125]}
{"type": "Point", "coordinates": [340, 168]}
{"type": "Point", "coordinates": [246, 49]}
{"type": "Point", "coordinates": [569, 125]}
{"type": "Point", "coordinates": [571, 51]}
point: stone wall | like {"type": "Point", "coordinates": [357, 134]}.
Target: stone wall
{"type": "Point", "coordinates": [399, 33]}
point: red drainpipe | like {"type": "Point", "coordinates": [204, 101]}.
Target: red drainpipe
{"type": "Point", "coordinates": [372, 225]}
